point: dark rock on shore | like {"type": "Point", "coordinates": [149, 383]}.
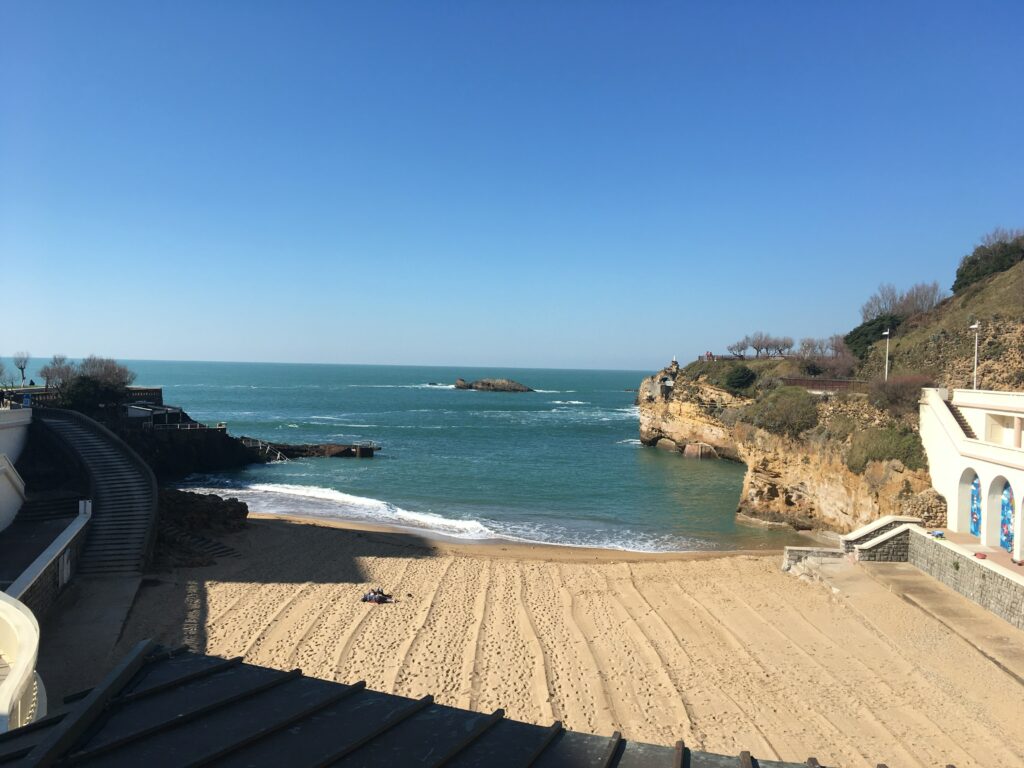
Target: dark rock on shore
{"type": "Point", "coordinates": [492, 385]}
{"type": "Point", "coordinates": [202, 512]}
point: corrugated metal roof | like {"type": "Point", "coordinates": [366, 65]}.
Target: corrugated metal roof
{"type": "Point", "coordinates": [178, 708]}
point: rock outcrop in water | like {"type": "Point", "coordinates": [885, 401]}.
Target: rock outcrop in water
{"type": "Point", "coordinates": [802, 482]}
{"type": "Point", "coordinates": [492, 385]}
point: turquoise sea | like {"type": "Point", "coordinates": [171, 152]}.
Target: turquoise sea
{"type": "Point", "coordinates": [560, 465]}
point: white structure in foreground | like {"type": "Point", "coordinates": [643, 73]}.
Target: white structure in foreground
{"type": "Point", "coordinates": [976, 460]}
{"type": "Point", "coordinates": [13, 435]}
{"type": "Point", "coordinates": [22, 696]}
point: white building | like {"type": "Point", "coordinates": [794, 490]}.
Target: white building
{"type": "Point", "coordinates": [976, 461]}
{"type": "Point", "coordinates": [22, 696]}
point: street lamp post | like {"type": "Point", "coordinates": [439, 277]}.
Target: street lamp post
{"type": "Point", "coordinates": [975, 329]}
{"type": "Point", "coordinates": [886, 334]}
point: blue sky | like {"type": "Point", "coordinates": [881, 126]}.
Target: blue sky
{"type": "Point", "coordinates": [558, 184]}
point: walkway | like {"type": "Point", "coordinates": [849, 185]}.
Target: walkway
{"type": "Point", "coordinates": [124, 496]}
{"type": "Point", "coordinates": [991, 637]}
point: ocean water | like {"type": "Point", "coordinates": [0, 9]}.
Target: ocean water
{"type": "Point", "coordinates": [561, 465]}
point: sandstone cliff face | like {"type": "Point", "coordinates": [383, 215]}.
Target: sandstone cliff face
{"type": "Point", "coordinates": [804, 482]}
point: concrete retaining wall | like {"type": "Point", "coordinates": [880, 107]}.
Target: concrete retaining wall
{"type": "Point", "coordinates": [793, 555]}
{"type": "Point", "coordinates": [48, 576]}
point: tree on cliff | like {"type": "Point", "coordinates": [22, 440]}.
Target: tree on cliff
{"type": "Point", "coordinates": [740, 347]}
{"type": "Point", "coordinates": [999, 250]}
{"type": "Point", "coordinates": [21, 363]}
{"type": "Point", "coordinates": [888, 300]}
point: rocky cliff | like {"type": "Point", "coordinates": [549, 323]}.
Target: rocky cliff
{"type": "Point", "coordinates": [804, 482]}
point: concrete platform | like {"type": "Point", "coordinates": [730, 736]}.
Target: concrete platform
{"type": "Point", "coordinates": [82, 629]}
{"type": "Point", "coordinates": [993, 638]}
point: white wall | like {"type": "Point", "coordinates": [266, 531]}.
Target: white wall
{"type": "Point", "coordinates": [954, 459]}
{"type": "Point", "coordinates": [14, 431]}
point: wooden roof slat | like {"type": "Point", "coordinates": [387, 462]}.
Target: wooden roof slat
{"type": "Point", "coordinates": [271, 728]}
{"type": "Point", "coordinates": [183, 718]}
{"type": "Point", "coordinates": [482, 727]}
{"type": "Point", "coordinates": [398, 717]}
{"type": "Point", "coordinates": [198, 674]}
{"type": "Point", "coordinates": [607, 760]}
{"type": "Point", "coordinates": [64, 735]}
{"type": "Point", "coordinates": [549, 735]}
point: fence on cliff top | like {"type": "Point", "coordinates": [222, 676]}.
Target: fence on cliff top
{"type": "Point", "coordinates": [827, 385]}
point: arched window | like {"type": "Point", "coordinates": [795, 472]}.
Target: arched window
{"type": "Point", "coordinates": [1006, 510]}
{"type": "Point", "coordinates": [976, 507]}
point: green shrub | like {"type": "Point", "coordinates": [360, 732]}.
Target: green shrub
{"type": "Point", "coordinates": [988, 259]}
{"type": "Point", "coordinates": [881, 444]}
{"type": "Point", "coordinates": [899, 395]}
{"type": "Point", "coordinates": [862, 338]}
{"type": "Point", "coordinates": [784, 411]}
{"type": "Point", "coordinates": [740, 377]}
{"type": "Point", "coordinates": [841, 427]}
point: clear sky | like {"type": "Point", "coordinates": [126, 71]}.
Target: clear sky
{"type": "Point", "coordinates": [558, 184]}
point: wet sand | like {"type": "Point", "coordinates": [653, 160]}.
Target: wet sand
{"type": "Point", "coordinates": [722, 650]}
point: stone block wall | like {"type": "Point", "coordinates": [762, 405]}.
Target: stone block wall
{"type": "Point", "coordinates": [849, 544]}
{"type": "Point", "coordinates": [1000, 594]}
{"type": "Point", "coordinates": [893, 550]}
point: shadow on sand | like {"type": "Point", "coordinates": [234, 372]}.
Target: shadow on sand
{"type": "Point", "coordinates": [267, 548]}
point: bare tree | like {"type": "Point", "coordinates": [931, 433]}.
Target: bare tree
{"type": "Point", "coordinates": [919, 298]}
{"type": "Point", "coordinates": [882, 302]}
{"type": "Point", "coordinates": [759, 342]}
{"type": "Point", "coordinates": [58, 372]}
{"type": "Point", "coordinates": [740, 347]}
{"type": "Point", "coordinates": [21, 363]}
{"type": "Point", "coordinates": [782, 345]}
{"type": "Point", "coordinates": [1000, 235]}
{"type": "Point", "coordinates": [887, 300]}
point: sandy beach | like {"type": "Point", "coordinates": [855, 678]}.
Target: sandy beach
{"type": "Point", "coordinates": [722, 650]}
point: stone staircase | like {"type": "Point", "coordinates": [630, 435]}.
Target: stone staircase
{"type": "Point", "coordinates": [122, 530]}
{"type": "Point", "coordinates": [959, 416]}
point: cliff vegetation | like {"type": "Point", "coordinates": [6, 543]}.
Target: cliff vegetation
{"type": "Point", "coordinates": [818, 458]}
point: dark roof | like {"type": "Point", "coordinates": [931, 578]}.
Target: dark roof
{"type": "Point", "coordinates": [177, 708]}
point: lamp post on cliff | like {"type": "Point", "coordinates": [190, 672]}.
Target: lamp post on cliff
{"type": "Point", "coordinates": [886, 334]}
{"type": "Point", "coordinates": [975, 328]}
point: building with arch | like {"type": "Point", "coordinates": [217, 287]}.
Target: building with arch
{"type": "Point", "coordinates": [973, 441]}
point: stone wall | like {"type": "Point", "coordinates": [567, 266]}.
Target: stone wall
{"type": "Point", "coordinates": [969, 576]}
{"type": "Point", "coordinates": [892, 550]}
{"type": "Point", "coordinates": [849, 542]}
{"type": "Point", "coordinates": [793, 555]}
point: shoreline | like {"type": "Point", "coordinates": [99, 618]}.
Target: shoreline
{"type": "Point", "coordinates": [509, 548]}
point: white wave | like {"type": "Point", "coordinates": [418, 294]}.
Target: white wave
{"type": "Point", "coordinates": [630, 441]}
{"type": "Point", "coordinates": [376, 510]}
{"type": "Point", "coordinates": [401, 386]}
{"type": "Point", "coordinates": [316, 501]}
{"type": "Point", "coordinates": [570, 402]}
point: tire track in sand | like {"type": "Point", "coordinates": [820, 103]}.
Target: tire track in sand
{"type": "Point", "coordinates": [542, 680]}
{"type": "Point", "coordinates": [472, 655]}
{"type": "Point", "coordinates": [420, 621]}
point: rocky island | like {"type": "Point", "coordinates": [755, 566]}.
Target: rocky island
{"type": "Point", "coordinates": [492, 385]}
